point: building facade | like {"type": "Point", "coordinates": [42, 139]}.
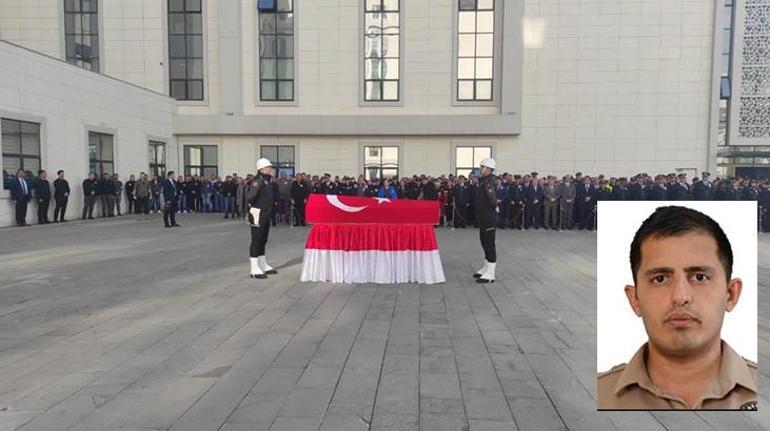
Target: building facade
{"type": "Point", "coordinates": [396, 87]}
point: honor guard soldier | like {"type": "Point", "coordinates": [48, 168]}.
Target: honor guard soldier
{"type": "Point", "coordinates": [261, 204]}
{"type": "Point", "coordinates": [486, 217]}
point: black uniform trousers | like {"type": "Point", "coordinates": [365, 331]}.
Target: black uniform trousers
{"type": "Point", "coordinates": [487, 236]}
{"type": "Point", "coordinates": [259, 236]}
{"type": "Point", "coordinates": [60, 208]}
{"type": "Point", "coordinates": [299, 212]}
{"type": "Point", "coordinates": [169, 212]}
{"type": "Point", "coordinates": [42, 210]}
{"type": "Point", "coordinates": [21, 211]}
{"type": "Point", "coordinates": [88, 206]}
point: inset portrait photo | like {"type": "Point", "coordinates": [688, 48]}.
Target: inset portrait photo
{"type": "Point", "coordinates": [677, 305]}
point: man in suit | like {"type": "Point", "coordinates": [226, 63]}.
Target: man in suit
{"type": "Point", "coordinates": [551, 195]}
{"type": "Point", "coordinates": [567, 196]}
{"type": "Point", "coordinates": [61, 195]}
{"type": "Point", "coordinates": [21, 193]}
{"type": "Point", "coordinates": [169, 195]}
{"type": "Point", "coordinates": [300, 190]}
{"type": "Point", "coordinates": [106, 194]}
{"type": "Point", "coordinates": [584, 204]}
{"type": "Point", "coordinates": [90, 195]}
{"type": "Point", "coordinates": [42, 196]}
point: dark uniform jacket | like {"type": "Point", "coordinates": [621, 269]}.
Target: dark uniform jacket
{"type": "Point", "coordinates": [657, 193]}
{"type": "Point", "coordinates": [703, 191]}
{"type": "Point", "coordinates": [42, 190]}
{"type": "Point", "coordinates": [486, 203]}
{"type": "Point", "coordinates": [261, 195]}
{"type": "Point", "coordinates": [61, 188]}
{"type": "Point", "coordinates": [90, 187]}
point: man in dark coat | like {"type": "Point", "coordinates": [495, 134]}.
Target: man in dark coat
{"type": "Point", "coordinates": [42, 196]}
{"type": "Point", "coordinates": [21, 194]}
{"type": "Point", "coordinates": [486, 217]}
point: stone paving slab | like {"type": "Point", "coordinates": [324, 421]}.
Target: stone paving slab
{"type": "Point", "coordinates": [124, 325]}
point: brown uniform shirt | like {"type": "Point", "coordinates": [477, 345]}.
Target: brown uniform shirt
{"type": "Point", "coordinates": [629, 387]}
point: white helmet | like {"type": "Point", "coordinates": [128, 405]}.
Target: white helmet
{"type": "Point", "coordinates": [263, 163]}
{"type": "Point", "coordinates": [490, 163]}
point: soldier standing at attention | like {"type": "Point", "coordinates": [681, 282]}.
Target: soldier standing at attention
{"type": "Point", "coordinates": [261, 204]}
{"type": "Point", "coordinates": [486, 217]}
{"type": "Point", "coordinates": [61, 195]}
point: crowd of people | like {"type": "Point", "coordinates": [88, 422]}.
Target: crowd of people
{"type": "Point", "coordinates": [529, 201]}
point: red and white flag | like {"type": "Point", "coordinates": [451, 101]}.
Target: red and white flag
{"type": "Point", "coordinates": [371, 240]}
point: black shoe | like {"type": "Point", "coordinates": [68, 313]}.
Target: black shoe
{"type": "Point", "coordinates": [260, 276]}
{"type": "Point", "coordinates": [271, 272]}
{"type": "Point", "coordinates": [90, 218]}
{"type": "Point", "coordinates": [484, 281]}
{"type": "Point", "coordinates": [477, 275]}
{"type": "Point", "coordinates": [176, 225]}
{"type": "Point", "coordinates": [168, 225]}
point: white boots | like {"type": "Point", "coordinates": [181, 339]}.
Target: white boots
{"type": "Point", "coordinates": [488, 276]}
{"type": "Point", "coordinates": [481, 272]}
{"type": "Point", "coordinates": [256, 271]}
{"type": "Point", "coordinates": [267, 269]}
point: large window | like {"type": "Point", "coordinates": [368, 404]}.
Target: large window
{"type": "Point", "coordinates": [725, 85]}
{"type": "Point", "coordinates": [157, 158]}
{"type": "Point", "coordinates": [282, 157]}
{"type": "Point", "coordinates": [21, 148]}
{"type": "Point", "coordinates": [81, 33]}
{"type": "Point", "coordinates": [200, 160]}
{"type": "Point", "coordinates": [276, 50]}
{"type": "Point", "coordinates": [185, 49]}
{"type": "Point", "coordinates": [381, 50]}
{"type": "Point", "coordinates": [380, 162]}
{"type": "Point", "coordinates": [467, 159]}
{"type": "Point", "coordinates": [475, 49]}
{"type": "Point", "coordinates": [101, 154]}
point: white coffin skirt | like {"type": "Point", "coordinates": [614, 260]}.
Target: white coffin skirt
{"type": "Point", "coordinates": [372, 266]}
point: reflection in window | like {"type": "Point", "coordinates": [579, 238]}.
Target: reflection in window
{"type": "Point", "coordinates": [101, 154]}
{"type": "Point", "coordinates": [21, 149]}
{"type": "Point", "coordinates": [381, 50]}
{"type": "Point", "coordinates": [282, 157]}
{"type": "Point", "coordinates": [467, 159]}
{"type": "Point", "coordinates": [276, 50]}
{"type": "Point", "coordinates": [475, 49]}
{"type": "Point", "coordinates": [200, 160]}
{"type": "Point", "coordinates": [185, 49]}
{"type": "Point", "coordinates": [157, 158]}
{"type": "Point", "coordinates": [380, 162]}
{"type": "Point", "coordinates": [81, 33]}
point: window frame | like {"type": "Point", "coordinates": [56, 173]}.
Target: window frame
{"type": "Point", "coordinates": [100, 161]}
{"type": "Point", "coordinates": [362, 57]}
{"type": "Point", "coordinates": [497, 58]}
{"type": "Point", "coordinates": [475, 162]}
{"type": "Point", "coordinates": [380, 166]}
{"type": "Point", "coordinates": [276, 163]}
{"type": "Point", "coordinates": [258, 64]}
{"type": "Point", "coordinates": [30, 175]}
{"type": "Point", "coordinates": [204, 58]}
{"type": "Point", "coordinates": [99, 31]}
{"type": "Point", "coordinates": [186, 168]}
{"type": "Point", "coordinates": [156, 168]}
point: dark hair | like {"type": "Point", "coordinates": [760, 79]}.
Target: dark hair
{"type": "Point", "coordinates": [170, 173]}
{"type": "Point", "coordinates": [59, 172]}
{"type": "Point", "coordinates": [673, 220]}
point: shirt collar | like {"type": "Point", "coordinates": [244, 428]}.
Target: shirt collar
{"type": "Point", "coordinates": [733, 371]}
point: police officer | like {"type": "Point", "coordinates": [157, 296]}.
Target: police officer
{"type": "Point", "coordinates": [486, 217]}
{"type": "Point", "coordinates": [261, 203]}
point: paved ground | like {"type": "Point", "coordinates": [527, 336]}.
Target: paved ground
{"type": "Point", "coordinates": [122, 324]}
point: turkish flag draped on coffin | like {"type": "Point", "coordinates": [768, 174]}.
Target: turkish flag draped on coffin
{"type": "Point", "coordinates": [371, 240]}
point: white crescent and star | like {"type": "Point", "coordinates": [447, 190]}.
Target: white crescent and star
{"type": "Point", "coordinates": [334, 200]}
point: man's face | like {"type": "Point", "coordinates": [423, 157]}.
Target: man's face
{"type": "Point", "coordinates": [681, 293]}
